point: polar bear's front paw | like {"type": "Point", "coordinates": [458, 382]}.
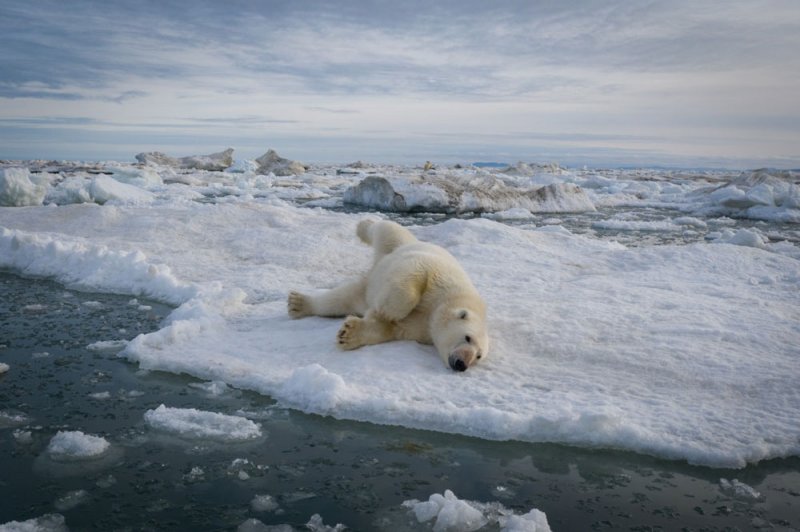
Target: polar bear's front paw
{"type": "Point", "coordinates": [298, 305]}
{"type": "Point", "coordinates": [349, 335]}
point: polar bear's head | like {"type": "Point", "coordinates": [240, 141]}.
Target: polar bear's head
{"type": "Point", "coordinates": [460, 336]}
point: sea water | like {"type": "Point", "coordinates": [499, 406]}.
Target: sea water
{"type": "Point", "coordinates": [303, 469]}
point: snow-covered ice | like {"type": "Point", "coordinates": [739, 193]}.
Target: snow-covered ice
{"type": "Point", "coordinates": [193, 423]}
{"type": "Point", "coordinates": [674, 351]}
{"type": "Point", "coordinates": [75, 445]}
{"type": "Point", "coordinates": [17, 189]}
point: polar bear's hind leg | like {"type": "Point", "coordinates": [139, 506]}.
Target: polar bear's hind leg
{"type": "Point", "coordinates": [384, 236]}
{"type": "Point", "coordinates": [343, 300]}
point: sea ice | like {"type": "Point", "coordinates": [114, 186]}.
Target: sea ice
{"type": "Point", "coordinates": [71, 499]}
{"type": "Point", "coordinates": [589, 339]}
{"type": "Point", "coordinates": [17, 189]}
{"type": "Point", "coordinates": [45, 523]}
{"type": "Point", "coordinates": [104, 189]}
{"type": "Point", "coordinates": [453, 514]}
{"type": "Point", "coordinates": [193, 423]}
{"type": "Point", "coordinates": [738, 489]}
{"type": "Point", "coordinates": [75, 445]}
{"type": "Point", "coordinates": [264, 503]}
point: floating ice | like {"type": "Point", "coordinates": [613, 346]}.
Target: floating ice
{"type": "Point", "coordinates": [738, 489]}
{"type": "Point", "coordinates": [264, 503]}
{"type": "Point", "coordinates": [4, 367]}
{"type": "Point", "coordinates": [45, 523]}
{"type": "Point", "coordinates": [315, 524]}
{"type": "Point", "coordinates": [75, 445]}
{"type": "Point", "coordinates": [453, 514]}
{"type": "Point", "coordinates": [71, 499]}
{"type": "Point", "coordinates": [193, 423]}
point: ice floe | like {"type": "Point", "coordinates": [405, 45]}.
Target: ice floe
{"type": "Point", "coordinates": [193, 423]}
{"type": "Point", "coordinates": [75, 445]}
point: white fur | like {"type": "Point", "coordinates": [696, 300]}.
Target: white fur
{"type": "Point", "coordinates": [414, 291]}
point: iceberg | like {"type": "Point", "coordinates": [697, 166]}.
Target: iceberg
{"type": "Point", "coordinates": [213, 162]}
{"type": "Point", "coordinates": [272, 163]}
{"type": "Point", "coordinates": [459, 194]}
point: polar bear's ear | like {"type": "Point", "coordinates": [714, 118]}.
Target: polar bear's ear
{"type": "Point", "coordinates": [462, 315]}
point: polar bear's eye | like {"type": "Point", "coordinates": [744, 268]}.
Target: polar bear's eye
{"type": "Point", "coordinates": [468, 338]}
{"type": "Point", "coordinates": [463, 315]}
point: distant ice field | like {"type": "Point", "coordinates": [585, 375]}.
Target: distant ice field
{"type": "Point", "coordinates": [684, 350]}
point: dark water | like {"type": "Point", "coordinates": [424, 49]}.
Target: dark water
{"type": "Point", "coordinates": [352, 473]}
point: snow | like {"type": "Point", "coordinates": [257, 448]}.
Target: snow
{"type": "Point", "coordinates": [673, 351]}
{"type": "Point", "coordinates": [193, 423]}
{"type": "Point", "coordinates": [453, 514]}
{"type": "Point", "coordinates": [75, 445]}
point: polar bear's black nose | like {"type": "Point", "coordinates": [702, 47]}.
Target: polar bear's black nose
{"type": "Point", "coordinates": [457, 364]}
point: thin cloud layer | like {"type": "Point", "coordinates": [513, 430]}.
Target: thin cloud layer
{"type": "Point", "coordinates": [681, 82]}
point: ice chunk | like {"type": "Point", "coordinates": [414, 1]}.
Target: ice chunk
{"type": "Point", "coordinates": [193, 423]}
{"type": "Point", "coordinates": [451, 513]}
{"type": "Point", "coordinates": [139, 177]}
{"type": "Point", "coordinates": [533, 521]}
{"type": "Point", "coordinates": [272, 163]}
{"type": "Point", "coordinates": [71, 499]}
{"type": "Point", "coordinates": [243, 166]}
{"type": "Point", "coordinates": [264, 503]}
{"type": "Point", "coordinates": [454, 514]}
{"type": "Point", "coordinates": [315, 524]}
{"type": "Point", "coordinates": [738, 489]}
{"type": "Point", "coordinates": [104, 189]}
{"type": "Point", "coordinates": [75, 445]}
{"type": "Point", "coordinates": [4, 367]}
{"type": "Point", "coordinates": [17, 189]}
{"type": "Point", "coordinates": [743, 237]}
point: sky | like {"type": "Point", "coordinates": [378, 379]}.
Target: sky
{"type": "Point", "coordinates": [600, 83]}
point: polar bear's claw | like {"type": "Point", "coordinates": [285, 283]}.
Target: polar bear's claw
{"type": "Point", "coordinates": [298, 305]}
{"type": "Point", "coordinates": [349, 333]}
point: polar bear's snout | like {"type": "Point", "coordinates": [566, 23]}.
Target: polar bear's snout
{"type": "Point", "coordinates": [462, 357]}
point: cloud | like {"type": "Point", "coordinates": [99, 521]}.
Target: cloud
{"type": "Point", "coordinates": [625, 71]}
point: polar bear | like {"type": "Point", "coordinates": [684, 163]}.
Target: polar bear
{"type": "Point", "coordinates": [414, 291]}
